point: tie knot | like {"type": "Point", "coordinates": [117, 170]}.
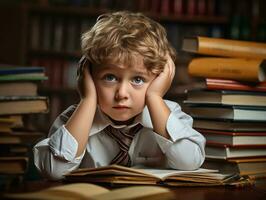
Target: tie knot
{"type": "Point", "coordinates": [123, 139]}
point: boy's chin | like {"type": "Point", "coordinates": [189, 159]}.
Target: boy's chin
{"type": "Point", "coordinates": [123, 122]}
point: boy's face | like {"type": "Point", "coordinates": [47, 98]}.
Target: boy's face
{"type": "Point", "coordinates": [121, 89]}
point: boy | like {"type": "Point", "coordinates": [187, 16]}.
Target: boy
{"type": "Point", "coordinates": [122, 118]}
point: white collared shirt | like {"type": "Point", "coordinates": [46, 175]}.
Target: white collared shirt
{"type": "Point", "coordinates": [55, 155]}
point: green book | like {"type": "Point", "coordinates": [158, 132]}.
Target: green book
{"type": "Point", "coordinates": [23, 77]}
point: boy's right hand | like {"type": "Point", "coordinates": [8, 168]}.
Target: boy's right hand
{"type": "Point", "coordinates": [86, 87]}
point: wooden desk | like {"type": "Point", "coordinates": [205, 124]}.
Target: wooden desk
{"type": "Point", "coordinates": [258, 191]}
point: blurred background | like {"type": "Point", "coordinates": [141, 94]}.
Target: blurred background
{"type": "Point", "coordinates": [47, 33]}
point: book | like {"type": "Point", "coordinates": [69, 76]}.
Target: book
{"type": "Point", "coordinates": [120, 175]}
{"type": "Point", "coordinates": [224, 47]}
{"type": "Point", "coordinates": [225, 151]}
{"type": "Point", "coordinates": [20, 137]}
{"type": "Point", "coordinates": [23, 77]}
{"type": "Point", "coordinates": [229, 125]}
{"type": "Point", "coordinates": [253, 70]}
{"type": "Point", "coordinates": [243, 166]}
{"type": "Point", "coordinates": [95, 192]}
{"type": "Point", "coordinates": [18, 89]}
{"type": "Point", "coordinates": [227, 84]}
{"type": "Point", "coordinates": [11, 70]}
{"type": "Point", "coordinates": [233, 137]}
{"type": "Point", "coordinates": [23, 104]}
{"type": "Point", "coordinates": [235, 113]}
{"type": "Point", "coordinates": [13, 165]}
{"type": "Point", "coordinates": [226, 97]}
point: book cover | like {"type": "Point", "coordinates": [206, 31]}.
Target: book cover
{"type": "Point", "coordinates": [225, 151]}
{"type": "Point", "coordinates": [227, 84]}
{"type": "Point", "coordinates": [24, 77]}
{"type": "Point", "coordinates": [20, 137]}
{"type": "Point", "coordinates": [229, 125]}
{"type": "Point", "coordinates": [224, 47]}
{"type": "Point", "coordinates": [226, 97]}
{"type": "Point", "coordinates": [243, 166]}
{"type": "Point", "coordinates": [18, 88]}
{"type": "Point", "coordinates": [13, 165]}
{"type": "Point", "coordinates": [253, 70]}
{"type": "Point", "coordinates": [8, 70]}
{"type": "Point", "coordinates": [23, 104]}
{"type": "Point", "coordinates": [235, 113]}
{"type": "Point", "coordinates": [233, 137]}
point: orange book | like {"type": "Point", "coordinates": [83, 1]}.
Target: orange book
{"type": "Point", "coordinates": [253, 70]}
{"type": "Point", "coordinates": [224, 47]}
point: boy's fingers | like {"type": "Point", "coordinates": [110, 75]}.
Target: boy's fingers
{"type": "Point", "coordinates": [82, 64]}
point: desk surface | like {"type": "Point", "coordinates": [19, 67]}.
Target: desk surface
{"type": "Point", "coordinates": [258, 191]}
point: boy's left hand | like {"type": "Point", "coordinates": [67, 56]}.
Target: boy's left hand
{"type": "Point", "coordinates": [162, 82]}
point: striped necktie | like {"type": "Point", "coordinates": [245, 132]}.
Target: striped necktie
{"type": "Point", "coordinates": [123, 140]}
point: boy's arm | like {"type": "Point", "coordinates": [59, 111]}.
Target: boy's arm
{"type": "Point", "coordinates": [159, 111]}
{"type": "Point", "coordinates": [80, 122]}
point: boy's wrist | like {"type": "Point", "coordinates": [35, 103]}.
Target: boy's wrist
{"type": "Point", "coordinates": [152, 97]}
{"type": "Point", "coordinates": [88, 101]}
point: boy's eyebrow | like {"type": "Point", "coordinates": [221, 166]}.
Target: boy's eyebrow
{"type": "Point", "coordinates": [111, 67]}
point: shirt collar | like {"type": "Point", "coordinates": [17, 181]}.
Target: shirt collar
{"type": "Point", "coordinates": [101, 121]}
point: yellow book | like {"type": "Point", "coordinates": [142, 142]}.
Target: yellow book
{"type": "Point", "coordinates": [87, 191]}
{"type": "Point", "coordinates": [224, 47]}
{"type": "Point", "coordinates": [253, 70]}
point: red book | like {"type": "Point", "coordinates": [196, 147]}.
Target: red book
{"type": "Point", "coordinates": [226, 84]}
{"type": "Point", "coordinates": [233, 138]}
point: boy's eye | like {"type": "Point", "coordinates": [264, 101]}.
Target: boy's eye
{"type": "Point", "coordinates": [109, 77]}
{"type": "Point", "coordinates": [138, 80]}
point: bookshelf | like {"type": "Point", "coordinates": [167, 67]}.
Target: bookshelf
{"type": "Point", "coordinates": [47, 33]}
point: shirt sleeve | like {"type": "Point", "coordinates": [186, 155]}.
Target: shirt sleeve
{"type": "Point", "coordinates": [185, 149]}
{"type": "Point", "coordinates": [55, 155]}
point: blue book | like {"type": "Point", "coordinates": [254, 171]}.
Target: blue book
{"type": "Point", "coordinates": [20, 70]}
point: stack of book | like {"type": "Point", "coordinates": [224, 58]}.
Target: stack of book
{"type": "Point", "coordinates": [18, 99]}
{"type": "Point", "coordinates": [231, 110]}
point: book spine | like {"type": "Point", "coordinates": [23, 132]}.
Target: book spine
{"type": "Point", "coordinates": [231, 48]}
{"type": "Point", "coordinates": [228, 68]}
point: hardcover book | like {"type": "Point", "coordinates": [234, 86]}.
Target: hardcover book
{"type": "Point", "coordinates": [18, 88]}
{"type": "Point", "coordinates": [243, 166]}
{"type": "Point", "coordinates": [224, 47]}
{"type": "Point", "coordinates": [235, 113]}
{"type": "Point", "coordinates": [229, 125]}
{"type": "Point", "coordinates": [233, 137]}
{"type": "Point", "coordinates": [228, 84]}
{"type": "Point", "coordinates": [23, 104]}
{"type": "Point", "coordinates": [225, 151]}
{"type": "Point", "coordinates": [226, 97]}
{"type": "Point", "coordinates": [229, 68]}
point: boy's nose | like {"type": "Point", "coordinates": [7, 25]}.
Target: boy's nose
{"type": "Point", "coordinates": [122, 91]}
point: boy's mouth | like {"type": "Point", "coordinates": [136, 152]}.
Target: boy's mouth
{"type": "Point", "coordinates": [121, 107]}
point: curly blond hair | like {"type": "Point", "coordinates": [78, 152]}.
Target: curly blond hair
{"type": "Point", "coordinates": [118, 37]}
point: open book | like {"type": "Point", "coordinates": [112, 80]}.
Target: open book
{"type": "Point", "coordinates": [89, 191]}
{"type": "Point", "coordinates": [115, 174]}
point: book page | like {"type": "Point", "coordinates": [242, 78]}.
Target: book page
{"type": "Point", "coordinates": [164, 173]}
